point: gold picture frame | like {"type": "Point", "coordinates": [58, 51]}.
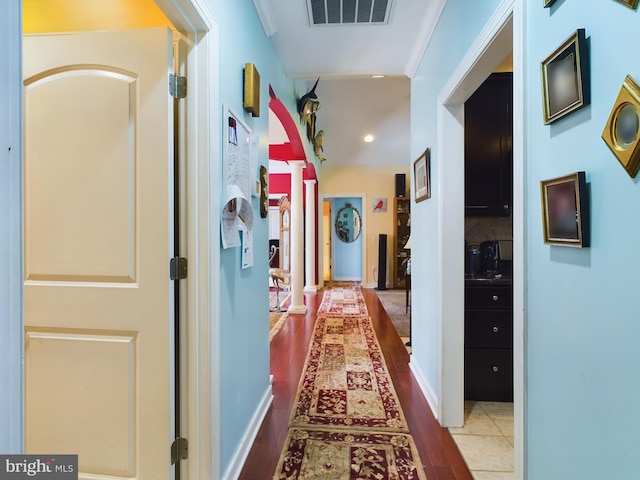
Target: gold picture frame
{"type": "Point", "coordinates": [251, 86]}
{"type": "Point", "coordinates": [422, 176]}
{"type": "Point", "coordinates": [622, 131]}
{"type": "Point", "coordinates": [565, 211]}
{"type": "Point", "coordinates": [630, 3]}
{"type": "Point", "coordinates": [547, 3]}
{"type": "Point", "coordinates": [565, 78]}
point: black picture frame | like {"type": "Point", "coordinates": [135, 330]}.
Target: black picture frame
{"type": "Point", "coordinates": [422, 176]}
{"type": "Point", "coordinates": [547, 3]}
{"type": "Point", "coordinates": [566, 85]}
{"type": "Point", "coordinates": [565, 211]}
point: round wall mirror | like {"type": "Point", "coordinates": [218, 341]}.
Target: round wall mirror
{"type": "Point", "coordinates": [348, 224]}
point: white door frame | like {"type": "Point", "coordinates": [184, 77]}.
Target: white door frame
{"type": "Point", "coordinates": [201, 411]}
{"type": "Point", "coordinates": [503, 33]}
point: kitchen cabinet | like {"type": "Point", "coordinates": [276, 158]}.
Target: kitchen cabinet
{"type": "Point", "coordinates": [401, 231]}
{"type": "Point", "coordinates": [488, 340]}
{"type": "Point", "coordinates": [488, 153]}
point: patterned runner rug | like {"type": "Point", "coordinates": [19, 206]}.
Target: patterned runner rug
{"type": "Point", "coordinates": [343, 301]}
{"type": "Point", "coordinates": [346, 422]}
{"type": "Point", "coordinates": [314, 454]}
{"type": "Point", "coordinates": [345, 382]}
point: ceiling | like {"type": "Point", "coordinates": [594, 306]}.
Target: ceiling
{"type": "Point", "coordinates": [307, 51]}
{"type": "Point", "coordinates": [345, 56]}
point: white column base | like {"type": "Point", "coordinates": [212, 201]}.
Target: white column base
{"type": "Point", "coordinates": [297, 309]}
{"type": "Point", "coordinates": [311, 288]}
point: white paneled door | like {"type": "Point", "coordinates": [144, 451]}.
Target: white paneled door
{"type": "Point", "coordinates": [98, 198]}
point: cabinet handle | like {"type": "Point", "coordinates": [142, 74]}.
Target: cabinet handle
{"type": "Point", "coordinates": [494, 298]}
{"type": "Point", "coordinates": [495, 329]}
{"type": "Point", "coordinates": [495, 369]}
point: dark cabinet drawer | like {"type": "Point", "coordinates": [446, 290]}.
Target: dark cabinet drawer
{"type": "Point", "coordinates": [488, 375]}
{"type": "Point", "coordinates": [491, 296]}
{"type": "Point", "coordinates": [488, 329]}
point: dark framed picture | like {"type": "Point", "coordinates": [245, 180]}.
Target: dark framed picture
{"type": "Point", "coordinates": [629, 3]}
{"type": "Point", "coordinates": [622, 131]}
{"type": "Point", "coordinates": [565, 211]}
{"type": "Point", "coordinates": [422, 176]}
{"type": "Point", "coordinates": [547, 3]}
{"type": "Point", "coordinates": [565, 78]}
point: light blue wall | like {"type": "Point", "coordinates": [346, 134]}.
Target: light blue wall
{"type": "Point", "coordinates": [10, 230]}
{"type": "Point", "coordinates": [347, 257]}
{"type": "Point", "coordinates": [244, 308]}
{"type": "Point", "coordinates": [583, 319]}
{"type": "Point", "coordinates": [459, 25]}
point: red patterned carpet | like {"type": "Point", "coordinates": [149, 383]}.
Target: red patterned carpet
{"type": "Point", "coordinates": [345, 382]}
{"type": "Point", "coordinates": [313, 454]}
{"type": "Point", "coordinates": [347, 422]}
{"type": "Point", "coordinates": [343, 301]}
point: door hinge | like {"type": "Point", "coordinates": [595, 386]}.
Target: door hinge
{"type": "Point", "coordinates": [178, 268]}
{"type": "Point", "coordinates": [179, 450]}
{"type": "Point", "coordinates": [177, 86]}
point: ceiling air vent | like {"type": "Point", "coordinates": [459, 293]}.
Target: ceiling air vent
{"type": "Point", "coordinates": [348, 12]}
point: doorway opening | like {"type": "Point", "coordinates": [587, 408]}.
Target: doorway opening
{"type": "Point", "coordinates": [343, 234]}
{"type": "Point", "coordinates": [502, 34]}
{"type": "Point", "coordinates": [326, 241]}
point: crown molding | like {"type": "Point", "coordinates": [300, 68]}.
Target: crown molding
{"type": "Point", "coordinates": [266, 15]}
{"type": "Point", "coordinates": [424, 37]}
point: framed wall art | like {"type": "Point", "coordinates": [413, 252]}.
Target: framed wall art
{"type": "Point", "coordinates": [629, 3]}
{"type": "Point", "coordinates": [379, 204]}
{"type": "Point", "coordinates": [422, 176]}
{"type": "Point", "coordinates": [565, 211]}
{"type": "Point", "coordinates": [547, 3]}
{"type": "Point", "coordinates": [565, 78]}
{"type": "Point", "coordinates": [622, 131]}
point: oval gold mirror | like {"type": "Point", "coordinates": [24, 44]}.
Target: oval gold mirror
{"type": "Point", "coordinates": [348, 224]}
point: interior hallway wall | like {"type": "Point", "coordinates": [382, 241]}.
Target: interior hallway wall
{"type": "Point", "coordinates": [583, 316]}
{"type": "Point", "coordinates": [460, 24]}
{"type": "Point", "coordinates": [244, 308]}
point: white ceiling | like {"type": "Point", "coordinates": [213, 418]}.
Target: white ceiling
{"type": "Point", "coordinates": [344, 57]}
{"type": "Point", "coordinates": [352, 108]}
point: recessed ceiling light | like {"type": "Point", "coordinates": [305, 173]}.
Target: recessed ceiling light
{"type": "Point", "coordinates": [368, 138]}
{"type": "Point", "coordinates": [377, 76]}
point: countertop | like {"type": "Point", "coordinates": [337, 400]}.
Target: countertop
{"type": "Point", "coordinates": [488, 280]}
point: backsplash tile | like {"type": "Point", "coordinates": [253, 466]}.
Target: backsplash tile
{"type": "Point", "coordinates": [479, 229]}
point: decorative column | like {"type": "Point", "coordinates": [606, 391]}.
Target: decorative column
{"type": "Point", "coordinates": [296, 235]}
{"type": "Point", "coordinates": [310, 237]}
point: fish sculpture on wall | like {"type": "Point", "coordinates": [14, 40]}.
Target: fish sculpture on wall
{"type": "Point", "coordinates": [317, 145]}
{"type": "Point", "coordinates": [308, 105]}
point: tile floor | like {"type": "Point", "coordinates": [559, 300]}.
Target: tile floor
{"type": "Point", "coordinates": [486, 440]}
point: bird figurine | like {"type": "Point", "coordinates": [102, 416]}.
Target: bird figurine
{"type": "Point", "coordinates": [317, 145]}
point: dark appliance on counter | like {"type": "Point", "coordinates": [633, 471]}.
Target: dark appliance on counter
{"type": "Point", "coordinates": [471, 261]}
{"type": "Point", "coordinates": [489, 257]}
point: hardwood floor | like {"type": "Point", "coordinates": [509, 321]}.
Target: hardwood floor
{"type": "Point", "coordinates": [438, 452]}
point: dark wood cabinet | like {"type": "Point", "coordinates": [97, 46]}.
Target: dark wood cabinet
{"type": "Point", "coordinates": [488, 119]}
{"type": "Point", "coordinates": [488, 341]}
